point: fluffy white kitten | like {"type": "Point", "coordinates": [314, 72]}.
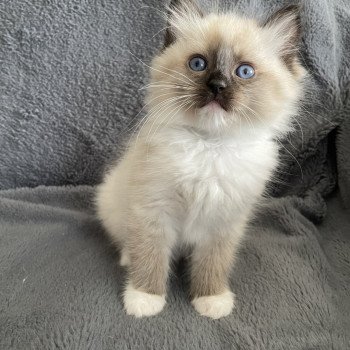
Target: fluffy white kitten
{"type": "Point", "coordinates": [223, 88]}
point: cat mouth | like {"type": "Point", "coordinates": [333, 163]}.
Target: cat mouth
{"type": "Point", "coordinates": [215, 103]}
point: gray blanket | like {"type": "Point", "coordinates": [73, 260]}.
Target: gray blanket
{"type": "Point", "coordinates": [69, 95]}
{"type": "Point", "coordinates": [61, 285]}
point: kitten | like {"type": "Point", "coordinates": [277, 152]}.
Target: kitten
{"type": "Point", "coordinates": [222, 90]}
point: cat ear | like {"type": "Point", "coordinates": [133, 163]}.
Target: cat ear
{"type": "Point", "coordinates": [286, 30]}
{"type": "Point", "coordinates": [178, 11]}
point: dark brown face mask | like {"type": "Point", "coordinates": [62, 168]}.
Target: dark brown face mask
{"type": "Point", "coordinates": [214, 78]}
{"type": "Point", "coordinates": [221, 76]}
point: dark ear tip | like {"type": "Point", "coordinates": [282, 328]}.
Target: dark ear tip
{"type": "Point", "coordinates": [188, 4]}
{"type": "Point", "coordinates": [179, 8]}
{"type": "Point", "coordinates": [289, 10]}
{"type": "Point", "coordinates": [294, 9]}
{"type": "Point", "coordinates": [173, 4]}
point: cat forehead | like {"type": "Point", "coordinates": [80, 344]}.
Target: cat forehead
{"type": "Point", "coordinates": [223, 35]}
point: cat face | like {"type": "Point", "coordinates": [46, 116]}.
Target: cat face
{"type": "Point", "coordinates": [220, 72]}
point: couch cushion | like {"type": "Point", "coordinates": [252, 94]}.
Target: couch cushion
{"type": "Point", "coordinates": [70, 84]}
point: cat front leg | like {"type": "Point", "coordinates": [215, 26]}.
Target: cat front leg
{"type": "Point", "coordinates": [211, 264]}
{"type": "Point", "coordinates": [149, 250]}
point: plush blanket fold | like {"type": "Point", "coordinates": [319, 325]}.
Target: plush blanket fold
{"type": "Point", "coordinates": [61, 285]}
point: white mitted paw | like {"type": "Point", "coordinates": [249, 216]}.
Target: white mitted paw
{"type": "Point", "coordinates": [141, 304]}
{"type": "Point", "coordinates": [124, 258]}
{"type": "Point", "coordinates": [215, 306]}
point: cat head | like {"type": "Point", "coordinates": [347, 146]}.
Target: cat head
{"type": "Point", "coordinates": [220, 72]}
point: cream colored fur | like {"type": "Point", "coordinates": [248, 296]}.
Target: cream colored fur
{"type": "Point", "coordinates": [192, 177]}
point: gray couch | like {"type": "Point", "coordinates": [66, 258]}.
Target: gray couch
{"type": "Point", "coordinates": [69, 95]}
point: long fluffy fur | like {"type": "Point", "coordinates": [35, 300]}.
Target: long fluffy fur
{"type": "Point", "coordinates": [192, 176]}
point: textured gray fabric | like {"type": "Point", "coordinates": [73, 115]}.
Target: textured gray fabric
{"type": "Point", "coordinates": [69, 84]}
{"type": "Point", "coordinates": [69, 87]}
{"type": "Point", "coordinates": [61, 286]}
{"type": "Point", "coordinates": [343, 161]}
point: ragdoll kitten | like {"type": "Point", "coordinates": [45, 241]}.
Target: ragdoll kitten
{"type": "Point", "coordinates": [222, 90]}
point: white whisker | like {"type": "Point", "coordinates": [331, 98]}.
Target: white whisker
{"type": "Point", "coordinates": [171, 103]}
{"type": "Point", "coordinates": [301, 170]}
{"type": "Point", "coordinates": [143, 107]}
{"type": "Point", "coordinates": [157, 70]}
{"type": "Point", "coordinates": [177, 106]}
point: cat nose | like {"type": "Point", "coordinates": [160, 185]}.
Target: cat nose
{"type": "Point", "coordinates": [217, 85]}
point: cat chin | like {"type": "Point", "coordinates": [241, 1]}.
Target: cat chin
{"type": "Point", "coordinates": [211, 118]}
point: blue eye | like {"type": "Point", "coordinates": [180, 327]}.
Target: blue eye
{"type": "Point", "coordinates": [245, 71]}
{"type": "Point", "coordinates": [197, 64]}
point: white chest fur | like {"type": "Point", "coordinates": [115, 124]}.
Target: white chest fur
{"type": "Point", "coordinates": [218, 180]}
